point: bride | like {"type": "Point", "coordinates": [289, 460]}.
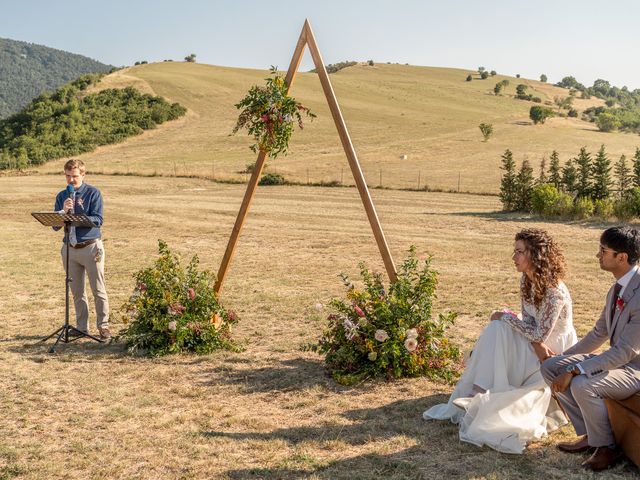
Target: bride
{"type": "Point", "coordinates": [501, 400]}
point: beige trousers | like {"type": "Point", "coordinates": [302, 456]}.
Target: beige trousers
{"type": "Point", "coordinates": [82, 262]}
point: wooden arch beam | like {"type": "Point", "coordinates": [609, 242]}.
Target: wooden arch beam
{"type": "Point", "coordinates": [307, 39]}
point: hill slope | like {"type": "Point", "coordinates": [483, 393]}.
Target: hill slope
{"type": "Point", "coordinates": [27, 70]}
{"type": "Point", "coordinates": [429, 114]}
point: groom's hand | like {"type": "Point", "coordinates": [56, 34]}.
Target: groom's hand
{"type": "Point", "coordinates": [561, 382]}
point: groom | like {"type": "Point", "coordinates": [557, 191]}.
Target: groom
{"type": "Point", "coordinates": [582, 379]}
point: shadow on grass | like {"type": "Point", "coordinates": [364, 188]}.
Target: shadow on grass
{"type": "Point", "coordinates": [595, 223]}
{"type": "Point", "coordinates": [37, 346]}
{"type": "Point", "coordinates": [285, 376]}
{"type": "Point", "coordinates": [435, 450]}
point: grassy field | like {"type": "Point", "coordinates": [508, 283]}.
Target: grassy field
{"type": "Point", "coordinates": [92, 411]}
{"type": "Point", "coordinates": [429, 114]}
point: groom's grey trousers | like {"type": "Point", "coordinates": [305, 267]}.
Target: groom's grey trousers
{"type": "Point", "coordinates": [583, 400]}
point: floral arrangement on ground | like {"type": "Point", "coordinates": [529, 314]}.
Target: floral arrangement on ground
{"type": "Point", "coordinates": [175, 309]}
{"type": "Point", "coordinates": [380, 332]}
{"type": "Point", "coordinates": [268, 114]}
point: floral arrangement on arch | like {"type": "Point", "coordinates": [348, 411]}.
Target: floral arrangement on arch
{"type": "Point", "coordinates": [390, 332]}
{"type": "Point", "coordinates": [175, 309]}
{"type": "Point", "coordinates": [269, 114]}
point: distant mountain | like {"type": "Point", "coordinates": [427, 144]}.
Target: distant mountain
{"type": "Point", "coordinates": [27, 70]}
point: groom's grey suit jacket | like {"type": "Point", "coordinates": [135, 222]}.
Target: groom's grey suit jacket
{"type": "Point", "coordinates": [623, 332]}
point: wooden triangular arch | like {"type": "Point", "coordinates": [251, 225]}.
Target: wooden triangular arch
{"type": "Point", "coordinates": [307, 38]}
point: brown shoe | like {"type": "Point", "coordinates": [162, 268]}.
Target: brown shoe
{"type": "Point", "coordinates": [75, 333]}
{"type": "Point", "coordinates": [105, 334]}
{"type": "Point", "coordinates": [602, 458]}
{"type": "Point", "coordinates": [581, 445]}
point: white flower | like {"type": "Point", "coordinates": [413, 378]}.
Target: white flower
{"type": "Point", "coordinates": [372, 356]}
{"type": "Point", "coordinates": [412, 333]}
{"type": "Point", "coordinates": [350, 329]}
{"type": "Point", "coordinates": [381, 335]}
{"type": "Point", "coordinates": [172, 325]}
{"type": "Point", "coordinates": [319, 307]}
{"type": "Point", "coordinates": [411, 344]}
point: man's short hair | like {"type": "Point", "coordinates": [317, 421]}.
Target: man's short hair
{"type": "Point", "coordinates": [623, 240]}
{"type": "Point", "coordinates": [75, 163]}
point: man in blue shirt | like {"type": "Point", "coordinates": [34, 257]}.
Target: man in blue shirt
{"type": "Point", "coordinates": [86, 255]}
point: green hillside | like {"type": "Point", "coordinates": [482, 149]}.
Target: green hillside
{"type": "Point", "coordinates": [431, 115]}
{"type": "Point", "coordinates": [27, 70]}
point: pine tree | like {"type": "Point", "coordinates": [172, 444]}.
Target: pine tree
{"type": "Point", "coordinates": [583, 173]}
{"type": "Point", "coordinates": [555, 177]}
{"type": "Point", "coordinates": [602, 182]}
{"type": "Point", "coordinates": [508, 193]}
{"type": "Point", "coordinates": [636, 168]}
{"type": "Point", "coordinates": [524, 186]}
{"type": "Point", "coordinates": [624, 176]}
{"type": "Point", "coordinates": [542, 178]}
{"type": "Point", "coordinates": [569, 177]}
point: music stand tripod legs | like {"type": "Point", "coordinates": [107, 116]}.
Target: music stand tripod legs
{"type": "Point", "coordinates": [63, 332]}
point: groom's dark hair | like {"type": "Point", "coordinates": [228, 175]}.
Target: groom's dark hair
{"type": "Point", "coordinates": [623, 240]}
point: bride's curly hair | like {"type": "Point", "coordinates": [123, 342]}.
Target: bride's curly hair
{"type": "Point", "coordinates": [547, 260]}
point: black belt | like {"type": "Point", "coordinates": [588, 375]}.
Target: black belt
{"type": "Point", "coordinates": [84, 244]}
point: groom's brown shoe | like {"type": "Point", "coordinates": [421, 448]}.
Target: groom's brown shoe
{"type": "Point", "coordinates": [602, 458]}
{"type": "Point", "coordinates": [582, 445]}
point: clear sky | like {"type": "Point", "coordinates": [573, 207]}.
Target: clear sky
{"type": "Point", "coordinates": [585, 38]}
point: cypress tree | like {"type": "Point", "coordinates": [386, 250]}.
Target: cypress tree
{"type": "Point", "coordinates": [624, 176]}
{"type": "Point", "coordinates": [524, 186]}
{"type": "Point", "coordinates": [602, 182]}
{"type": "Point", "coordinates": [542, 178]}
{"type": "Point", "coordinates": [583, 173]}
{"type": "Point", "coordinates": [508, 192]}
{"type": "Point", "coordinates": [555, 177]}
{"type": "Point", "coordinates": [569, 177]}
{"type": "Point", "coordinates": [636, 168]}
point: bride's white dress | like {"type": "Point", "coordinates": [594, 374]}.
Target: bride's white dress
{"type": "Point", "coordinates": [517, 406]}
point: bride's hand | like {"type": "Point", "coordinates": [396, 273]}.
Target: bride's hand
{"type": "Point", "coordinates": [542, 351]}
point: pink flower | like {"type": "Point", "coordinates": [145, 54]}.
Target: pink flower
{"type": "Point", "coordinates": [175, 309]}
{"type": "Point", "coordinates": [232, 316]}
{"type": "Point", "coordinates": [264, 118]}
{"type": "Point", "coordinates": [172, 326]}
{"type": "Point", "coordinates": [411, 344]}
{"type": "Point", "coordinates": [142, 287]}
{"type": "Point", "coordinates": [358, 311]}
{"type": "Point", "coordinates": [192, 294]}
{"type": "Point", "coordinates": [381, 335]}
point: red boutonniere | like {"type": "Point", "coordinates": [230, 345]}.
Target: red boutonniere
{"type": "Point", "coordinates": [619, 303]}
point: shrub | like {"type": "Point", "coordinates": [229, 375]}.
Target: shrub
{"type": "Point", "coordinates": [607, 122]}
{"type": "Point", "coordinates": [469, 78]}
{"type": "Point", "coordinates": [536, 99]}
{"type": "Point", "coordinates": [250, 167]}
{"type": "Point", "coordinates": [603, 208]}
{"type": "Point", "coordinates": [487, 130]}
{"type": "Point", "coordinates": [540, 114]}
{"type": "Point", "coordinates": [583, 208]}
{"type": "Point", "coordinates": [370, 63]}
{"type": "Point", "coordinates": [174, 309]}
{"type": "Point", "coordinates": [563, 206]}
{"type": "Point", "coordinates": [484, 75]}
{"type": "Point", "coordinates": [543, 78]}
{"type": "Point", "coordinates": [380, 332]}
{"type": "Point", "coordinates": [624, 209]}
{"type": "Point", "coordinates": [493, 73]}
{"type": "Point", "coordinates": [272, 179]}
{"type": "Point", "coordinates": [573, 113]}
{"type": "Point", "coordinates": [544, 199]}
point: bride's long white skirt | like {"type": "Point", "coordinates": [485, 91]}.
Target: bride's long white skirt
{"type": "Point", "coordinates": [517, 406]}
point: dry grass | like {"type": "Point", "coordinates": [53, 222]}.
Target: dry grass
{"type": "Point", "coordinates": [92, 411]}
{"type": "Point", "coordinates": [430, 114]}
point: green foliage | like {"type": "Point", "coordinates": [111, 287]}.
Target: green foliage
{"type": "Point", "coordinates": [524, 187]}
{"type": "Point", "coordinates": [583, 173]}
{"type": "Point", "coordinates": [636, 168]}
{"type": "Point", "coordinates": [68, 122]}
{"type": "Point", "coordinates": [608, 122]}
{"type": "Point", "coordinates": [484, 75]}
{"type": "Point", "coordinates": [469, 78]}
{"type": "Point", "coordinates": [336, 67]}
{"type": "Point", "coordinates": [603, 208]}
{"type": "Point", "coordinates": [542, 178]}
{"type": "Point", "coordinates": [486, 129]}
{"type": "Point", "coordinates": [389, 332]}
{"type": "Point", "coordinates": [623, 174]}
{"type": "Point", "coordinates": [175, 309]}
{"type": "Point", "coordinates": [493, 73]}
{"type": "Point", "coordinates": [539, 114]}
{"type": "Point", "coordinates": [27, 70]}
{"type": "Point", "coordinates": [521, 90]}
{"type": "Point", "coordinates": [544, 198]}
{"type": "Point", "coordinates": [583, 208]}
{"type": "Point", "coordinates": [190, 58]}
{"type": "Point", "coordinates": [497, 88]}
{"type": "Point", "coordinates": [508, 184]}
{"type": "Point", "coordinates": [601, 187]}
{"type": "Point", "coordinates": [555, 175]}
{"type": "Point", "coordinates": [370, 63]}
{"type": "Point", "coordinates": [543, 78]}
{"type": "Point", "coordinates": [272, 179]}
{"type": "Point", "coordinates": [268, 114]}
{"type": "Point", "coordinates": [573, 113]}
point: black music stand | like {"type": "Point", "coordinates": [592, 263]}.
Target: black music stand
{"type": "Point", "coordinates": [66, 220]}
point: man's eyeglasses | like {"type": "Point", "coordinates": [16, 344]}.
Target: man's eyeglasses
{"type": "Point", "coordinates": [603, 249]}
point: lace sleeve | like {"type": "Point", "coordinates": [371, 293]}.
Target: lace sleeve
{"type": "Point", "coordinates": [538, 329]}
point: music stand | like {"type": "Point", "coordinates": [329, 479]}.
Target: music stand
{"type": "Point", "coordinates": [66, 220]}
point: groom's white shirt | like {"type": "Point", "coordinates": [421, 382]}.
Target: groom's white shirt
{"type": "Point", "coordinates": [623, 281]}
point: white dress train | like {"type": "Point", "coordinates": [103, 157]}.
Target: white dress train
{"type": "Point", "coordinates": [517, 406]}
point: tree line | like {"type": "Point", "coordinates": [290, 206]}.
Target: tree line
{"type": "Point", "coordinates": [583, 186]}
{"type": "Point", "coordinates": [69, 122]}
